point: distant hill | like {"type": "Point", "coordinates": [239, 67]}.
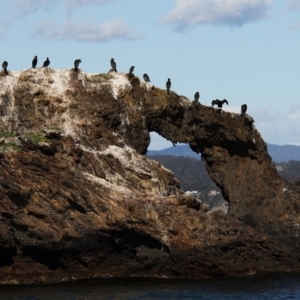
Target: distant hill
{"type": "Point", "coordinates": [278, 153]}
{"type": "Point", "coordinates": [289, 170]}
{"type": "Point", "coordinates": [193, 177]}
{"type": "Point", "coordinates": [180, 150]}
{"type": "Point", "coordinates": [192, 174]}
{"type": "Point", "coordinates": [284, 153]}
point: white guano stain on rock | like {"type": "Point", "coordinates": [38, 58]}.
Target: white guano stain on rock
{"type": "Point", "coordinates": [118, 83]}
{"type": "Point", "coordinates": [132, 162]}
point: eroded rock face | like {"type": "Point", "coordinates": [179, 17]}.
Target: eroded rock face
{"type": "Point", "coordinates": [78, 199]}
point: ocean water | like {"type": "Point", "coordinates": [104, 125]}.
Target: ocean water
{"type": "Point", "coordinates": [258, 287]}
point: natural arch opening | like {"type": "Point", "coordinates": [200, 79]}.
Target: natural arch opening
{"type": "Point", "coordinates": [235, 154]}
{"type": "Point", "coordinates": [157, 142]}
{"type": "Point", "coordinates": [189, 169]}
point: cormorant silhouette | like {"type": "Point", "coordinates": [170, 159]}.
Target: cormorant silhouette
{"type": "Point", "coordinates": [4, 66]}
{"type": "Point", "coordinates": [131, 70]}
{"type": "Point", "coordinates": [76, 64]}
{"type": "Point", "coordinates": [197, 96]}
{"type": "Point", "coordinates": [219, 103]}
{"type": "Point", "coordinates": [46, 63]}
{"type": "Point", "coordinates": [146, 78]}
{"type": "Point", "coordinates": [243, 109]}
{"type": "Point", "coordinates": [168, 85]}
{"type": "Point", "coordinates": [34, 61]}
{"type": "Point", "coordinates": [113, 64]}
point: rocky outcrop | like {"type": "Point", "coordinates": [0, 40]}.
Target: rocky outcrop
{"type": "Point", "coordinates": [79, 200]}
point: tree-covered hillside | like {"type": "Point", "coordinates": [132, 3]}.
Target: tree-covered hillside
{"type": "Point", "coordinates": [278, 153]}
{"type": "Point", "coordinates": [192, 174]}
{"type": "Point", "coordinates": [289, 170]}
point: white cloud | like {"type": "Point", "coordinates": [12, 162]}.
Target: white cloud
{"type": "Point", "coordinates": [80, 3]}
{"type": "Point", "coordinates": [86, 31]}
{"type": "Point", "coordinates": [188, 13]}
{"type": "Point", "coordinates": [24, 8]}
{"type": "Point", "coordinates": [294, 116]}
{"type": "Point", "coordinates": [279, 127]}
{"type": "Point", "coordinates": [4, 28]}
{"type": "Point", "coordinates": [293, 109]}
{"type": "Point", "coordinates": [292, 5]}
{"type": "Point", "coordinates": [295, 26]}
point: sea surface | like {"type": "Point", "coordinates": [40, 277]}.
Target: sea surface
{"type": "Point", "coordinates": [257, 287]}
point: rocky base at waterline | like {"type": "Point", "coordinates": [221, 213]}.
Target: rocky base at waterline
{"type": "Point", "coordinates": [79, 200]}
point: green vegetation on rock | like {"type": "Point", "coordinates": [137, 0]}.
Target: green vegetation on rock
{"type": "Point", "coordinates": [9, 146]}
{"type": "Point", "coordinates": [37, 138]}
{"type": "Point", "coordinates": [98, 78]}
{"type": "Point", "coordinates": [6, 134]}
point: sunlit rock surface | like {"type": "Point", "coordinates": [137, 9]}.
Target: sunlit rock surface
{"type": "Point", "coordinates": [79, 200]}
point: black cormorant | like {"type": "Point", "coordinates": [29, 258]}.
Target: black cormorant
{"type": "Point", "coordinates": [4, 66]}
{"type": "Point", "coordinates": [219, 103]}
{"type": "Point", "coordinates": [146, 78]}
{"type": "Point", "coordinates": [34, 61]}
{"type": "Point", "coordinates": [113, 64]}
{"type": "Point", "coordinates": [46, 63]}
{"type": "Point", "coordinates": [168, 85]}
{"type": "Point", "coordinates": [131, 70]}
{"type": "Point", "coordinates": [243, 109]}
{"type": "Point", "coordinates": [76, 64]}
{"type": "Point", "coordinates": [197, 96]}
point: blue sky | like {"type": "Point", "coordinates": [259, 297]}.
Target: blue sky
{"type": "Point", "coordinates": [246, 51]}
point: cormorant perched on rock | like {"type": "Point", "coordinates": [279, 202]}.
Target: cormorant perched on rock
{"type": "Point", "coordinates": [76, 64]}
{"type": "Point", "coordinates": [197, 96]}
{"type": "Point", "coordinates": [46, 63]}
{"type": "Point", "coordinates": [243, 109]}
{"type": "Point", "coordinates": [219, 103]}
{"type": "Point", "coordinates": [168, 85]}
{"type": "Point", "coordinates": [4, 66]}
{"type": "Point", "coordinates": [131, 70]}
{"type": "Point", "coordinates": [34, 61]}
{"type": "Point", "coordinates": [113, 64]}
{"type": "Point", "coordinates": [146, 78]}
